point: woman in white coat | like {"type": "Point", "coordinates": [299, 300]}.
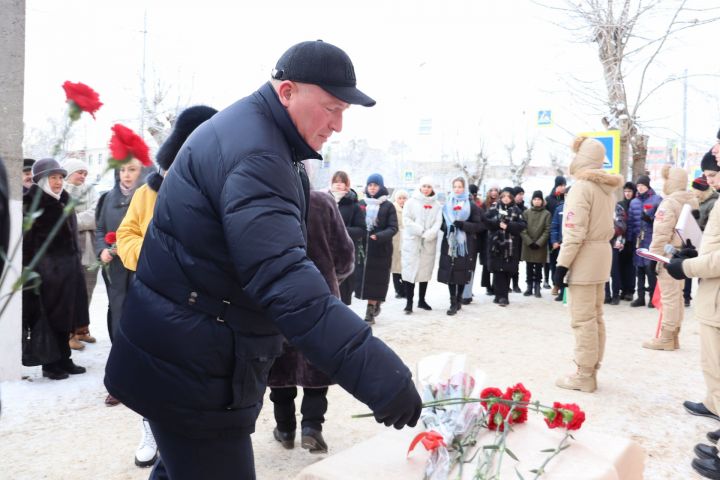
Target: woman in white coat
{"type": "Point", "coordinates": [422, 218]}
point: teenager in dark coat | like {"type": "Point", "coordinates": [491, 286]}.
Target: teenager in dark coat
{"type": "Point", "coordinates": [480, 242]}
{"type": "Point", "coordinates": [556, 197]}
{"type": "Point", "coordinates": [519, 198]}
{"type": "Point", "coordinates": [332, 251]}
{"type": "Point", "coordinates": [62, 296]}
{"type": "Point", "coordinates": [627, 254]}
{"type": "Point", "coordinates": [354, 219]}
{"type": "Point", "coordinates": [504, 223]}
{"type": "Point", "coordinates": [462, 221]}
{"type": "Point", "coordinates": [373, 262]}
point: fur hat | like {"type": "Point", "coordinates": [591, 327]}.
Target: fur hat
{"type": "Point", "coordinates": [700, 183]}
{"type": "Point", "coordinates": [72, 165]}
{"type": "Point", "coordinates": [28, 164]}
{"type": "Point", "coordinates": [643, 180]}
{"type": "Point", "coordinates": [559, 180]}
{"type": "Point", "coordinates": [45, 167]}
{"type": "Point", "coordinates": [676, 179]}
{"type": "Point", "coordinates": [709, 162]}
{"type": "Point", "coordinates": [188, 120]}
{"type": "Point", "coordinates": [537, 194]}
{"type": "Point", "coordinates": [375, 178]}
{"type": "Point", "coordinates": [589, 154]}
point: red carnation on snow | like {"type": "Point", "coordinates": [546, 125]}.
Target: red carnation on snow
{"type": "Point", "coordinates": [111, 238]}
{"type": "Point", "coordinates": [496, 416]}
{"type": "Point", "coordinates": [488, 394]}
{"type": "Point", "coordinates": [573, 416]}
{"type": "Point", "coordinates": [518, 393]}
{"type": "Point", "coordinates": [81, 99]}
{"type": "Point", "coordinates": [126, 145]}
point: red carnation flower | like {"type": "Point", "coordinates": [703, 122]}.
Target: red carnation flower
{"type": "Point", "coordinates": [519, 415]}
{"type": "Point", "coordinates": [363, 207]}
{"type": "Point", "coordinates": [488, 393]}
{"type": "Point", "coordinates": [81, 99]}
{"type": "Point", "coordinates": [647, 206]}
{"type": "Point", "coordinates": [126, 145]}
{"type": "Point", "coordinates": [518, 393]}
{"type": "Point", "coordinates": [572, 416]}
{"type": "Point", "coordinates": [457, 207]}
{"type": "Point", "coordinates": [111, 238]}
{"type": "Point", "coordinates": [427, 207]}
{"type": "Point", "coordinates": [553, 418]}
{"type": "Point", "coordinates": [496, 416]}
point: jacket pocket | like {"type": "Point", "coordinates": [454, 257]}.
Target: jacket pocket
{"type": "Point", "coordinates": [254, 355]}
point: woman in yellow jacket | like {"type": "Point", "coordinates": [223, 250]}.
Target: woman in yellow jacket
{"type": "Point", "coordinates": [132, 230]}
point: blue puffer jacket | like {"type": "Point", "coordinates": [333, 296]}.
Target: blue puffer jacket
{"type": "Point", "coordinates": [639, 231]}
{"type": "Point", "coordinates": [556, 224]}
{"type": "Point", "coordinates": [229, 226]}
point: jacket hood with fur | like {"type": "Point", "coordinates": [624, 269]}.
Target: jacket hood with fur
{"type": "Point", "coordinates": [609, 182]}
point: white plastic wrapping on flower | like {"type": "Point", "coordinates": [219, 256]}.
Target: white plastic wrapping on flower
{"type": "Point", "coordinates": [442, 377]}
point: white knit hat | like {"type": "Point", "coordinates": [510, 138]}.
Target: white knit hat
{"type": "Point", "coordinates": [72, 165]}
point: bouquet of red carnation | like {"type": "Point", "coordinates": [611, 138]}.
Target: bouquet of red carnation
{"type": "Point", "coordinates": [126, 145]}
{"type": "Point", "coordinates": [81, 98]}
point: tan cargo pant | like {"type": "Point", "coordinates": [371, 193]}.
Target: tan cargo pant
{"type": "Point", "coordinates": [671, 294]}
{"type": "Point", "coordinates": [586, 312]}
{"type": "Point", "coordinates": [710, 361]}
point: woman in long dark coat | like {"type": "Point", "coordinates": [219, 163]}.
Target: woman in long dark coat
{"type": "Point", "coordinates": [462, 221]}
{"type": "Point", "coordinates": [354, 219]}
{"type": "Point", "coordinates": [373, 261]}
{"type": "Point", "coordinates": [504, 223]}
{"type": "Point", "coordinates": [111, 210]}
{"type": "Point", "coordinates": [62, 297]}
{"type": "Point", "coordinates": [331, 249]}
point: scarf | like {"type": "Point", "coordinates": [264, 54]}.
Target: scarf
{"type": "Point", "coordinates": [44, 184]}
{"type": "Point", "coordinates": [371, 211]}
{"type": "Point", "coordinates": [338, 194]}
{"type": "Point", "coordinates": [126, 191]}
{"type": "Point", "coordinates": [457, 207]}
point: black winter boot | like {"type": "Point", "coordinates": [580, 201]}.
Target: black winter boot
{"type": "Point", "coordinates": [537, 290]}
{"type": "Point", "coordinates": [370, 314]}
{"type": "Point", "coordinates": [453, 307]}
{"type": "Point", "coordinates": [408, 306]}
{"type": "Point", "coordinates": [529, 290]}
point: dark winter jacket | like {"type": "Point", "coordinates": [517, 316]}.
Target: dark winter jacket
{"type": "Point", "coordinates": [640, 222]}
{"type": "Point", "coordinates": [223, 271]}
{"type": "Point", "coordinates": [457, 270]}
{"type": "Point", "coordinates": [537, 233]}
{"type": "Point", "coordinates": [706, 206]}
{"type": "Point", "coordinates": [552, 201]}
{"type": "Point", "coordinates": [353, 216]}
{"type": "Point", "coordinates": [332, 252]}
{"type": "Point", "coordinates": [502, 253]}
{"type": "Point", "coordinates": [62, 295]}
{"type": "Point", "coordinates": [556, 224]}
{"type": "Point", "coordinates": [109, 214]}
{"type": "Point", "coordinates": [373, 262]}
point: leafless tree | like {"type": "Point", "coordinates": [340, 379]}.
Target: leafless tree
{"type": "Point", "coordinates": [555, 163]}
{"type": "Point", "coordinates": [627, 47]}
{"type": "Point", "coordinates": [161, 111]}
{"type": "Point", "coordinates": [518, 167]}
{"type": "Point", "coordinates": [474, 170]}
{"type": "Point", "coordinates": [39, 142]}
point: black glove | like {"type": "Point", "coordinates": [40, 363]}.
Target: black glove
{"type": "Point", "coordinates": [403, 409]}
{"type": "Point", "coordinates": [647, 218]}
{"type": "Point", "coordinates": [689, 251]}
{"type": "Point", "coordinates": [459, 224]}
{"type": "Point", "coordinates": [696, 214]}
{"type": "Point", "coordinates": [534, 246]}
{"type": "Point", "coordinates": [675, 269]}
{"type": "Point", "coordinates": [559, 277]}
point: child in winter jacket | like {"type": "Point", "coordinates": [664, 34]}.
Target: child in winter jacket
{"type": "Point", "coordinates": [534, 241]}
{"type": "Point", "coordinates": [618, 245]}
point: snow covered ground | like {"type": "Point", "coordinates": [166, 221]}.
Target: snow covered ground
{"type": "Point", "coordinates": [63, 430]}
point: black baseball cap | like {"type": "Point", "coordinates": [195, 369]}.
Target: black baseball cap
{"type": "Point", "coordinates": [324, 65]}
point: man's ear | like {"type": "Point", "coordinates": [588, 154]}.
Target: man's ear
{"type": "Point", "coordinates": [285, 91]}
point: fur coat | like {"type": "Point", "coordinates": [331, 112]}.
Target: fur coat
{"type": "Point", "coordinates": [331, 249]}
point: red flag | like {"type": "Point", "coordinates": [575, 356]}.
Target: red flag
{"type": "Point", "coordinates": [657, 303]}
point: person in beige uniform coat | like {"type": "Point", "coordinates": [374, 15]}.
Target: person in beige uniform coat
{"type": "Point", "coordinates": [585, 257]}
{"type": "Point", "coordinates": [676, 195]}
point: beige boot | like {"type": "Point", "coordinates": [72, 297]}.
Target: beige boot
{"type": "Point", "coordinates": [676, 339]}
{"type": "Point", "coordinates": [75, 344]}
{"type": "Point", "coordinates": [584, 380]}
{"type": "Point", "coordinates": [665, 342]}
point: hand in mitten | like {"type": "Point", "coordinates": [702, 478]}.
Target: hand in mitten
{"type": "Point", "coordinates": [459, 224]}
{"type": "Point", "coordinates": [559, 277]}
{"type": "Point", "coordinates": [689, 251]}
{"type": "Point", "coordinates": [675, 269]}
{"type": "Point", "coordinates": [403, 409]}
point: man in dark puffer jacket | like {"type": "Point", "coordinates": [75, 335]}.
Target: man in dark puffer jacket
{"type": "Point", "coordinates": [223, 273]}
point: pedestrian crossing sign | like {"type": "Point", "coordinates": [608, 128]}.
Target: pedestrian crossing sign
{"type": "Point", "coordinates": [544, 118]}
{"type": "Point", "coordinates": [611, 141]}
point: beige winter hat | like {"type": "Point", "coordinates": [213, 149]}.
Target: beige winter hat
{"type": "Point", "coordinates": [589, 154]}
{"type": "Point", "coordinates": [676, 179]}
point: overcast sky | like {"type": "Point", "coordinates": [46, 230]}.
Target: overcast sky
{"type": "Point", "coordinates": [480, 70]}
